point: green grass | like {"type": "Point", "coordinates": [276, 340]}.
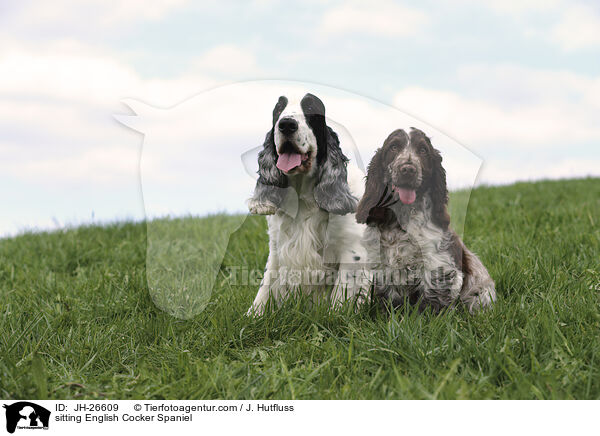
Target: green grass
{"type": "Point", "coordinates": [78, 321]}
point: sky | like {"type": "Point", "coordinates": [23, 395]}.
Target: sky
{"type": "Point", "coordinates": [515, 84]}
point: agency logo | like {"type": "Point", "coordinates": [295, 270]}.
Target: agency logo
{"type": "Point", "coordinates": [26, 415]}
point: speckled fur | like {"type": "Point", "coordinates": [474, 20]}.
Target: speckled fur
{"type": "Point", "coordinates": [418, 258]}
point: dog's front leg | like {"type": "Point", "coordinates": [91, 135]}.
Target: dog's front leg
{"type": "Point", "coordinates": [258, 306]}
{"type": "Point", "coordinates": [267, 289]}
{"type": "Point", "coordinates": [354, 274]}
{"type": "Point", "coordinates": [269, 281]}
{"type": "Point", "coordinates": [353, 279]}
{"type": "Point", "coordinates": [351, 284]}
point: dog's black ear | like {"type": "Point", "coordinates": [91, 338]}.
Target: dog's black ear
{"type": "Point", "coordinates": [314, 112]}
{"type": "Point", "coordinates": [375, 190]}
{"type": "Point", "coordinates": [270, 190]}
{"type": "Point", "coordinates": [439, 191]}
{"type": "Point", "coordinates": [278, 109]}
{"type": "Point", "coordinates": [332, 192]}
{"type": "Point", "coordinates": [271, 185]}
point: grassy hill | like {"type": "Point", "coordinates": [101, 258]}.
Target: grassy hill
{"type": "Point", "coordinates": [77, 320]}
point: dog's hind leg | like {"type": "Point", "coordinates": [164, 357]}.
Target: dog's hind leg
{"type": "Point", "coordinates": [478, 290]}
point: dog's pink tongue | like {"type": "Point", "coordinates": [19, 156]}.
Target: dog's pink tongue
{"type": "Point", "coordinates": [407, 196]}
{"type": "Point", "coordinates": [288, 161]}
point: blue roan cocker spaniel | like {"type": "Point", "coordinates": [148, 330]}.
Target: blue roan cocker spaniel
{"type": "Point", "coordinates": [418, 258]}
{"type": "Point", "coordinates": [303, 187]}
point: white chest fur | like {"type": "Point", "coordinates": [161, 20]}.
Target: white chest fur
{"type": "Point", "coordinates": [301, 235]}
{"type": "Point", "coordinates": [300, 239]}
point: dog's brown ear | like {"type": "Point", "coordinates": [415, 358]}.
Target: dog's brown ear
{"type": "Point", "coordinates": [439, 192]}
{"type": "Point", "coordinates": [374, 188]}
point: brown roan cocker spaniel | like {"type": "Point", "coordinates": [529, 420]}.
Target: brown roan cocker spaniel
{"type": "Point", "coordinates": [417, 257]}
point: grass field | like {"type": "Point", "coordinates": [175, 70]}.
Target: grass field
{"type": "Point", "coordinates": [77, 320]}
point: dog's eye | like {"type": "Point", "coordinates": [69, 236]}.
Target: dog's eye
{"type": "Point", "coordinates": [422, 150]}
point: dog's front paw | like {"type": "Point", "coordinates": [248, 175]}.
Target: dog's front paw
{"type": "Point", "coordinates": [255, 311]}
{"type": "Point", "coordinates": [261, 207]}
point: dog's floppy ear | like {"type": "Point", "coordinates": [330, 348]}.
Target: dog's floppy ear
{"type": "Point", "coordinates": [374, 189]}
{"type": "Point", "coordinates": [439, 191]}
{"type": "Point", "coordinates": [332, 192]}
{"type": "Point", "coordinates": [271, 185]}
{"type": "Point", "coordinates": [270, 190]}
{"type": "Point", "coordinates": [279, 107]}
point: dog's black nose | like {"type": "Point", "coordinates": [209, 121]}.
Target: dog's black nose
{"type": "Point", "coordinates": [288, 125]}
{"type": "Point", "coordinates": [408, 170]}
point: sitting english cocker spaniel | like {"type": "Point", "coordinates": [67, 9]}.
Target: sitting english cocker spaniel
{"type": "Point", "coordinates": [303, 187]}
{"type": "Point", "coordinates": [419, 258]}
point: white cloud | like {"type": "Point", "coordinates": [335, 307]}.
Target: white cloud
{"type": "Point", "coordinates": [507, 113]}
{"type": "Point", "coordinates": [107, 166]}
{"type": "Point", "coordinates": [56, 112]}
{"type": "Point", "coordinates": [91, 14]}
{"type": "Point", "coordinates": [517, 7]}
{"type": "Point", "coordinates": [71, 71]}
{"type": "Point", "coordinates": [512, 107]}
{"type": "Point", "coordinates": [380, 18]}
{"type": "Point", "coordinates": [227, 59]}
{"type": "Point", "coordinates": [578, 28]}
{"type": "Point", "coordinates": [576, 24]}
{"type": "Point", "coordinates": [513, 85]}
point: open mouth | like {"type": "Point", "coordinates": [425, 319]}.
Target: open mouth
{"type": "Point", "coordinates": [289, 161]}
{"type": "Point", "coordinates": [407, 195]}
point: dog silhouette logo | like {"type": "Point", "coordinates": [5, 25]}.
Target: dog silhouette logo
{"type": "Point", "coordinates": [198, 173]}
{"type": "Point", "coordinates": [26, 415]}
